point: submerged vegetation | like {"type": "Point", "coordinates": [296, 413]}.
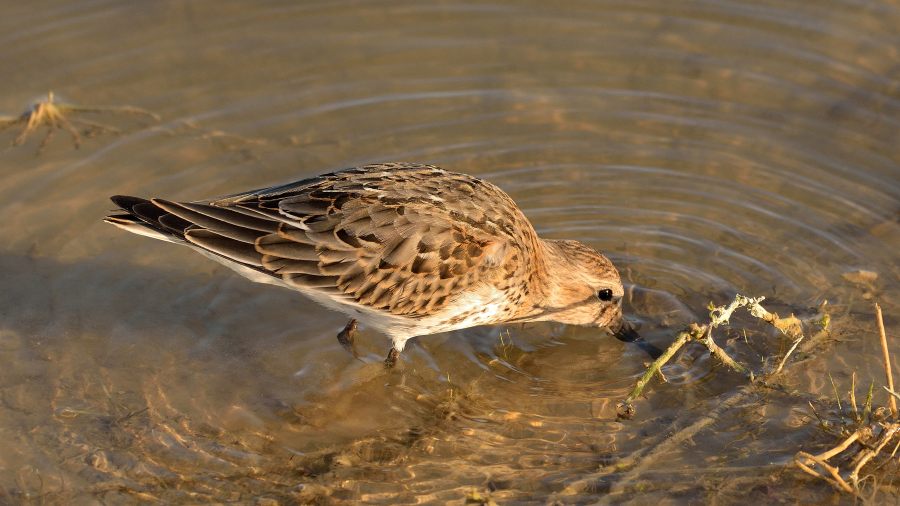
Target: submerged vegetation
{"type": "Point", "coordinates": [54, 115]}
{"type": "Point", "coordinates": [869, 438]}
{"type": "Point", "coordinates": [865, 437]}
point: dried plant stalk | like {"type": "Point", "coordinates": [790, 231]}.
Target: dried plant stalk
{"type": "Point", "coordinates": [886, 356]}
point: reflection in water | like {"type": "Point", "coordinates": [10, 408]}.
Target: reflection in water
{"type": "Point", "coordinates": [706, 148]}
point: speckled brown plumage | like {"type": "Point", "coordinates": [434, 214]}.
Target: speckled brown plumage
{"type": "Point", "coordinates": [409, 248]}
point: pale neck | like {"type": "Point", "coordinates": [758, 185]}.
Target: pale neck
{"type": "Point", "coordinates": [551, 268]}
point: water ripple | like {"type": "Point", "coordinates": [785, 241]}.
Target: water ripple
{"type": "Point", "coordinates": [708, 148]}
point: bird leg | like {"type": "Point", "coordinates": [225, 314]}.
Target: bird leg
{"type": "Point", "coordinates": [392, 357]}
{"type": "Point", "coordinates": [345, 337]}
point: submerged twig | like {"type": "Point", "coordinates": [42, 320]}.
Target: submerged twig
{"type": "Point", "coordinates": [625, 409]}
{"type": "Point", "coordinates": [805, 462]}
{"type": "Point", "coordinates": [837, 396]}
{"type": "Point", "coordinates": [865, 452]}
{"type": "Point", "coordinates": [786, 355]}
{"type": "Point", "coordinates": [718, 316]}
{"type": "Point", "coordinates": [720, 354]}
{"type": "Point", "coordinates": [893, 393]}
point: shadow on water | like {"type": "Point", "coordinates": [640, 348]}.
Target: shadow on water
{"type": "Point", "coordinates": [127, 381]}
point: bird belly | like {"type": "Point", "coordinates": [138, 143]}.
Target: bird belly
{"type": "Point", "coordinates": [470, 309]}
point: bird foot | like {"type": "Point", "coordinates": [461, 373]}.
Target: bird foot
{"type": "Point", "coordinates": [391, 359]}
{"type": "Point", "coordinates": [346, 336]}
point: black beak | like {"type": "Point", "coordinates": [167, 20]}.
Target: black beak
{"type": "Point", "coordinates": [626, 333]}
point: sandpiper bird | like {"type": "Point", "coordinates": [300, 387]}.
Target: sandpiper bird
{"type": "Point", "coordinates": [406, 248]}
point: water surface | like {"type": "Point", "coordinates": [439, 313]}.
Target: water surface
{"type": "Point", "coordinates": [707, 147]}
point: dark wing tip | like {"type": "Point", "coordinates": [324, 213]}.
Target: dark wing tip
{"type": "Point", "coordinates": [126, 202]}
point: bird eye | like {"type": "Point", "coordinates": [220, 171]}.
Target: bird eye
{"type": "Point", "coordinates": [605, 295]}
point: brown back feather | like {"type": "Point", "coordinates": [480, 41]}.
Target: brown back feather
{"type": "Point", "coordinates": [403, 238]}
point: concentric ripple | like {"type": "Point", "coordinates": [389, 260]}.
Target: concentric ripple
{"type": "Point", "coordinates": [708, 148]}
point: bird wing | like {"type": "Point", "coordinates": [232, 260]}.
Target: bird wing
{"type": "Point", "coordinates": [403, 238]}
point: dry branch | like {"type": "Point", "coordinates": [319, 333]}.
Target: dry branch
{"type": "Point", "coordinates": [719, 316]}
{"type": "Point", "coordinates": [886, 356]}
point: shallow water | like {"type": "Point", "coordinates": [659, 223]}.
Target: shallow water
{"type": "Point", "coordinates": [708, 148]}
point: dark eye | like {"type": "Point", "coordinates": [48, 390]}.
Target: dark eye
{"type": "Point", "coordinates": [605, 295]}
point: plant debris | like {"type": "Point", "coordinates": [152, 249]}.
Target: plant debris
{"type": "Point", "coordinates": [790, 326]}
{"type": "Point", "coordinates": [863, 436]}
{"type": "Point", "coordinates": [870, 437]}
{"type": "Point", "coordinates": [58, 115]}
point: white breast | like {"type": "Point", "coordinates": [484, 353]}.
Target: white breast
{"type": "Point", "coordinates": [480, 308]}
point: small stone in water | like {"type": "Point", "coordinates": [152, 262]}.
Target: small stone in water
{"type": "Point", "coordinates": [861, 277]}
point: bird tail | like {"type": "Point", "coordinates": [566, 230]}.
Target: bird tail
{"type": "Point", "coordinates": [143, 217]}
